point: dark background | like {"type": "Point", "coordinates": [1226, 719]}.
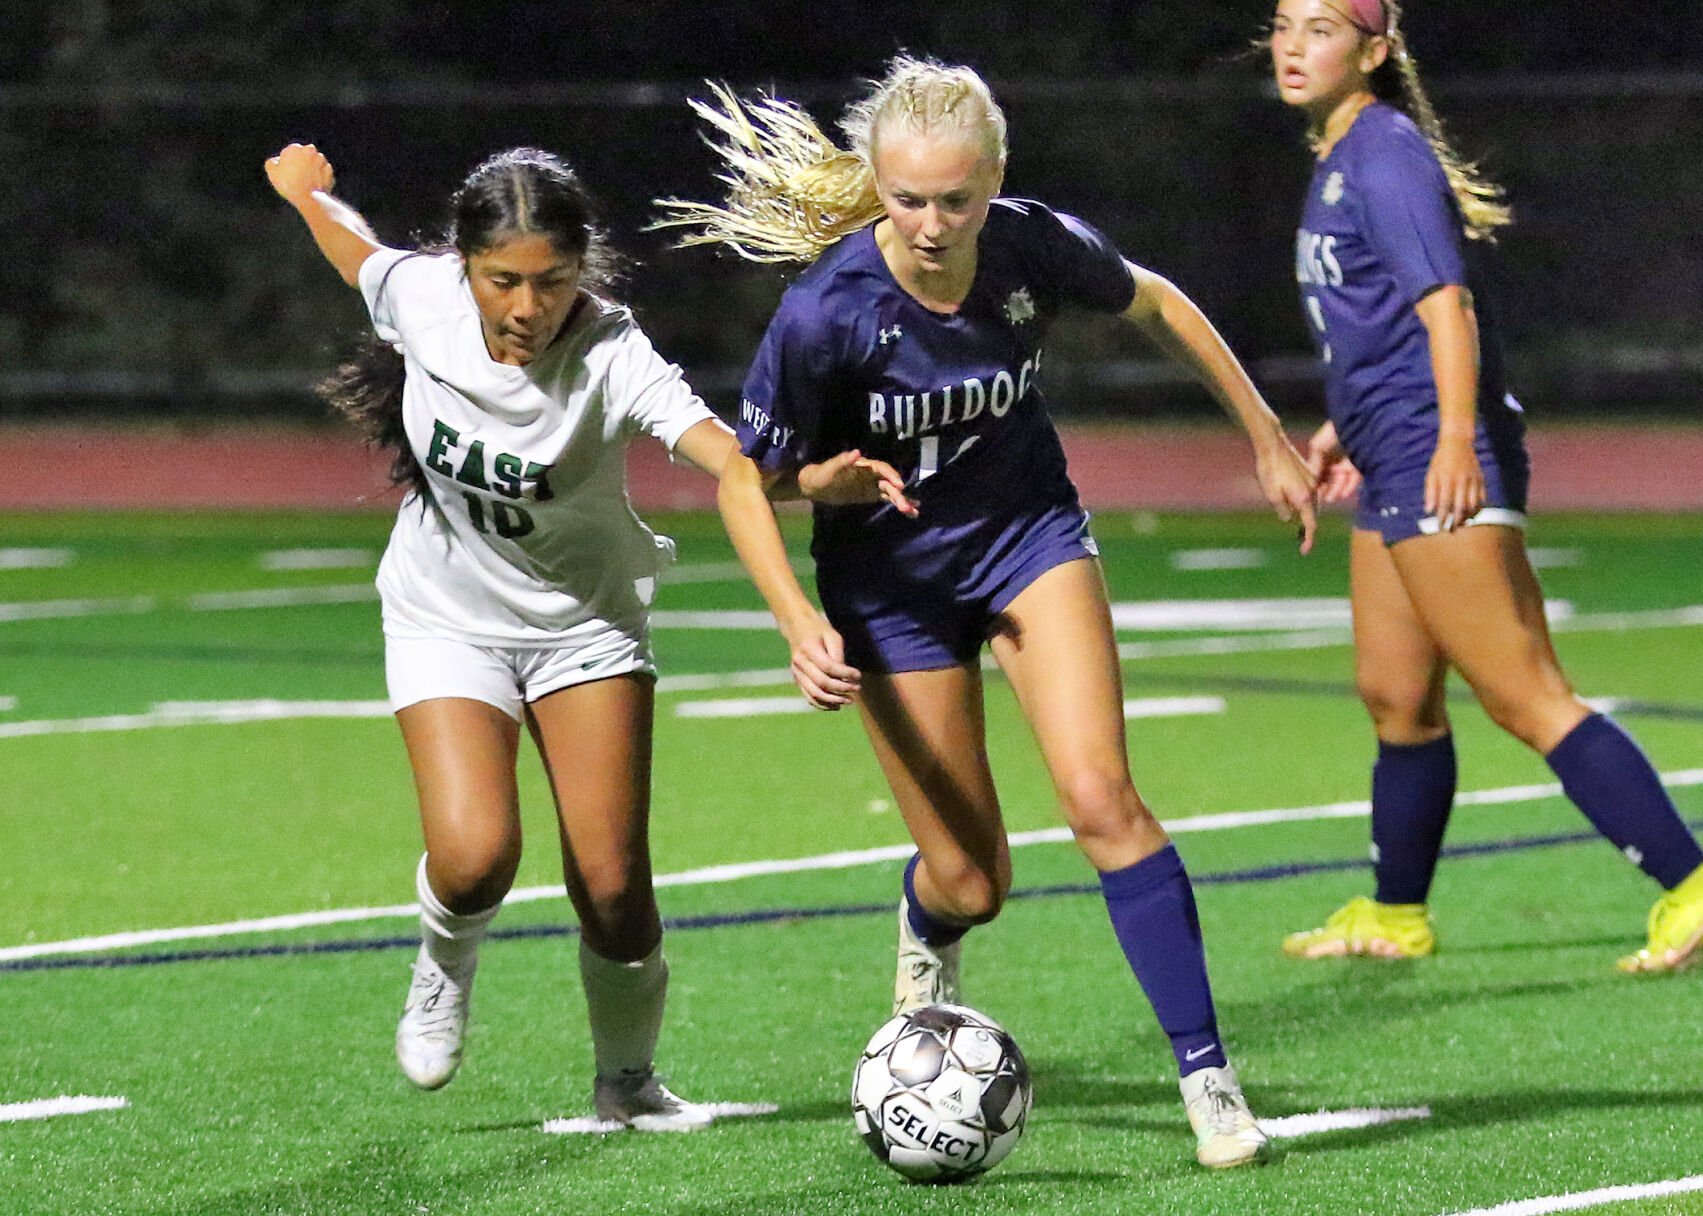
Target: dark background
{"type": "Point", "coordinates": [150, 269]}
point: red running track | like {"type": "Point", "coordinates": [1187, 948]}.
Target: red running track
{"type": "Point", "coordinates": [1133, 467]}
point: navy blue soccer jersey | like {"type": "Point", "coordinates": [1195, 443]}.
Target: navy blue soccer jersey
{"type": "Point", "coordinates": [953, 402]}
{"type": "Point", "coordinates": [1381, 230]}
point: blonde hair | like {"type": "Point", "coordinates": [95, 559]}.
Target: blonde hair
{"type": "Point", "coordinates": [1396, 81]}
{"type": "Point", "coordinates": [791, 191]}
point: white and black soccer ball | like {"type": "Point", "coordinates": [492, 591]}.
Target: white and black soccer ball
{"type": "Point", "coordinates": [941, 1093]}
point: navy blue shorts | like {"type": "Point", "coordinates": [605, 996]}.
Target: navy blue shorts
{"type": "Point", "coordinates": [908, 612]}
{"type": "Point", "coordinates": [1392, 500]}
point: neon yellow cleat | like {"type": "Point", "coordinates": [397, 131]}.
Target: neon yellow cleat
{"type": "Point", "coordinates": [1369, 929]}
{"type": "Point", "coordinates": [1676, 930]}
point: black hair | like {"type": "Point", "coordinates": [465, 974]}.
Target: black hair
{"type": "Point", "coordinates": [518, 191]}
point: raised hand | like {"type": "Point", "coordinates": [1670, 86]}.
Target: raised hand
{"type": "Point", "coordinates": [298, 171]}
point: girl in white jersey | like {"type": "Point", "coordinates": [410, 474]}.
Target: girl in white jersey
{"type": "Point", "coordinates": [517, 583]}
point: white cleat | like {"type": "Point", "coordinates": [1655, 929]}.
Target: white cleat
{"type": "Point", "coordinates": [1226, 1133]}
{"type": "Point", "coordinates": [927, 975]}
{"type": "Point", "coordinates": [643, 1103]}
{"type": "Point", "coordinates": [434, 1018]}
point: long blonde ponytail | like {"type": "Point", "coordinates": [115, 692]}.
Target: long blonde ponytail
{"type": "Point", "coordinates": [1396, 81]}
{"type": "Point", "coordinates": [791, 191]}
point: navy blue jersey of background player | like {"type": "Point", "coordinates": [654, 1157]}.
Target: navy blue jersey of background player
{"type": "Point", "coordinates": [952, 401]}
{"type": "Point", "coordinates": [1381, 230]}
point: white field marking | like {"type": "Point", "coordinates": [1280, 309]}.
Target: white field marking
{"type": "Point", "coordinates": [1339, 1120]}
{"type": "Point", "coordinates": [36, 559]}
{"type": "Point", "coordinates": [1591, 1199]}
{"type": "Point", "coordinates": [41, 610]}
{"type": "Point", "coordinates": [1151, 616]}
{"type": "Point", "coordinates": [1172, 707]}
{"type": "Point", "coordinates": [586, 1125]}
{"type": "Point", "coordinates": [1550, 559]}
{"type": "Point", "coordinates": [1616, 622]}
{"type": "Point", "coordinates": [282, 597]}
{"type": "Point", "coordinates": [52, 1108]}
{"type": "Point", "coordinates": [717, 572]}
{"type": "Point", "coordinates": [7, 704]}
{"type": "Point", "coordinates": [767, 678]}
{"type": "Point", "coordinates": [743, 707]}
{"type": "Point", "coordinates": [1219, 559]}
{"type": "Point", "coordinates": [316, 559]}
{"type": "Point", "coordinates": [198, 713]}
{"type": "Point", "coordinates": [754, 707]}
{"type": "Point", "coordinates": [719, 619]}
{"type": "Point", "coordinates": [751, 869]}
{"type": "Point", "coordinates": [1315, 639]}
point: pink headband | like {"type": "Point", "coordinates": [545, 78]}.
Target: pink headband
{"type": "Point", "coordinates": [1370, 16]}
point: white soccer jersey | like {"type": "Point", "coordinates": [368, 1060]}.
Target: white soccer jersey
{"type": "Point", "coordinates": [526, 537]}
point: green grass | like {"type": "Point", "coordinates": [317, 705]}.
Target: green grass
{"type": "Point", "coordinates": [266, 1085]}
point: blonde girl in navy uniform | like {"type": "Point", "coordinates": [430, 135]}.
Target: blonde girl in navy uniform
{"type": "Point", "coordinates": [899, 389]}
{"type": "Point", "coordinates": [1393, 233]}
{"type": "Point", "coordinates": [517, 582]}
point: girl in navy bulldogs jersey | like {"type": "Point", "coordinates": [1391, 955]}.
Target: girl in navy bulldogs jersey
{"type": "Point", "coordinates": [516, 584]}
{"type": "Point", "coordinates": [898, 388]}
{"type": "Point", "coordinates": [1387, 259]}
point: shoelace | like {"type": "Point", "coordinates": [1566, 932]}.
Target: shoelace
{"type": "Point", "coordinates": [1223, 1112]}
{"type": "Point", "coordinates": [435, 1012]}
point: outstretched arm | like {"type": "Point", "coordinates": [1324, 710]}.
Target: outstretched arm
{"type": "Point", "coordinates": [303, 178]}
{"type": "Point", "coordinates": [1174, 324]}
{"type": "Point", "coordinates": [818, 654]}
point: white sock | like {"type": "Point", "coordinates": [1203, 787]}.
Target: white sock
{"type": "Point", "coordinates": [625, 1002]}
{"type": "Point", "coordinates": [451, 940]}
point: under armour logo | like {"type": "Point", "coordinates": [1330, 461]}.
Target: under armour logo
{"type": "Point", "coordinates": [890, 335]}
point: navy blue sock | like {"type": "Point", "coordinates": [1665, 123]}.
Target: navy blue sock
{"type": "Point", "coordinates": [1413, 789]}
{"type": "Point", "coordinates": [1609, 777]}
{"type": "Point", "coordinates": [1153, 913]}
{"type": "Point", "coordinates": [930, 929]}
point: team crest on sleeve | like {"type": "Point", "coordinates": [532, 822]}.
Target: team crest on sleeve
{"type": "Point", "coordinates": [1331, 195]}
{"type": "Point", "coordinates": [891, 334]}
{"type": "Point", "coordinates": [1020, 306]}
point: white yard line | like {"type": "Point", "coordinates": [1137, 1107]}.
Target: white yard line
{"type": "Point", "coordinates": [282, 597]}
{"type": "Point", "coordinates": [1290, 1126]}
{"type": "Point", "coordinates": [1219, 559]}
{"type": "Point", "coordinates": [1600, 1197]}
{"type": "Point", "coordinates": [738, 870]}
{"type": "Point", "coordinates": [36, 559]}
{"type": "Point", "coordinates": [42, 610]}
{"type": "Point", "coordinates": [743, 707]}
{"type": "Point", "coordinates": [755, 707]}
{"type": "Point", "coordinates": [52, 1108]}
{"type": "Point", "coordinates": [317, 559]}
{"type": "Point", "coordinates": [1173, 707]}
{"type": "Point", "coordinates": [197, 713]}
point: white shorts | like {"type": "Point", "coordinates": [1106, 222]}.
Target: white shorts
{"type": "Point", "coordinates": [422, 668]}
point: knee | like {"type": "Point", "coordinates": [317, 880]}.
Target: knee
{"type": "Point", "coordinates": [470, 875]}
{"type": "Point", "coordinates": [968, 893]}
{"type": "Point", "coordinates": [1539, 718]}
{"type": "Point", "coordinates": [1402, 711]}
{"type": "Point", "coordinates": [1101, 806]}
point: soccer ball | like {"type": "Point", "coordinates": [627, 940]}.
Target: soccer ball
{"type": "Point", "coordinates": [941, 1093]}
